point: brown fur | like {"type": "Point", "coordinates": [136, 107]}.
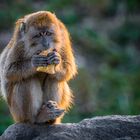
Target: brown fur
{"type": "Point", "coordinates": [23, 87]}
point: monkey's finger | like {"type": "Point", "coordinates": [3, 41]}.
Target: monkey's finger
{"type": "Point", "coordinates": [51, 102]}
{"type": "Point", "coordinates": [54, 103]}
{"type": "Point", "coordinates": [45, 60]}
{"type": "Point", "coordinates": [52, 56]}
{"type": "Point", "coordinates": [39, 60]}
{"type": "Point", "coordinates": [52, 106]}
{"type": "Point", "coordinates": [46, 115]}
{"type": "Point", "coordinates": [51, 116]}
{"type": "Point", "coordinates": [59, 110]}
{"type": "Point", "coordinates": [52, 60]}
{"type": "Point", "coordinates": [39, 57]}
{"type": "Point", "coordinates": [56, 62]}
{"type": "Point", "coordinates": [37, 64]}
{"type": "Point", "coordinates": [35, 60]}
{"type": "Point", "coordinates": [54, 53]}
{"type": "Point", "coordinates": [49, 54]}
{"type": "Point", "coordinates": [54, 115]}
{"type": "Point", "coordinates": [58, 113]}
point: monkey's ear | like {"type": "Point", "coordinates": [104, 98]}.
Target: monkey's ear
{"type": "Point", "coordinates": [22, 27]}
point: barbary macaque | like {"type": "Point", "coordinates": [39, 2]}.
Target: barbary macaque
{"type": "Point", "coordinates": [40, 41]}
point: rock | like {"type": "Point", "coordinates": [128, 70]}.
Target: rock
{"type": "Point", "coordinates": [98, 128]}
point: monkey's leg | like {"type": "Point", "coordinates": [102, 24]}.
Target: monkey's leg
{"type": "Point", "coordinates": [26, 100]}
{"type": "Point", "coordinates": [49, 112]}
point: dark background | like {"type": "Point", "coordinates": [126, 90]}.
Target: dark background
{"type": "Point", "coordinates": [106, 39]}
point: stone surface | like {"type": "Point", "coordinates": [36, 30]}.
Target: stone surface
{"type": "Point", "coordinates": [98, 128]}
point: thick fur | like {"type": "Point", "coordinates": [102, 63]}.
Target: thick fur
{"type": "Point", "coordinates": [25, 89]}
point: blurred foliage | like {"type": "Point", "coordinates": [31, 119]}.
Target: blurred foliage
{"type": "Point", "coordinates": [106, 38]}
{"type": "Point", "coordinates": [5, 119]}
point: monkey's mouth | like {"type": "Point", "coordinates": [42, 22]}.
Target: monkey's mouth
{"type": "Point", "coordinates": [36, 53]}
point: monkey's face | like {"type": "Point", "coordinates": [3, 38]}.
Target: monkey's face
{"type": "Point", "coordinates": [37, 39]}
{"type": "Point", "coordinates": [40, 32]}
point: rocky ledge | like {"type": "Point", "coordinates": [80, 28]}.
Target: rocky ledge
{"type": "Point", "coordinates": [98, 128]}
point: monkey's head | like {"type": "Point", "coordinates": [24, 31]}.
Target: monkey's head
{"type": "Point", "coordinates": [39, 31]}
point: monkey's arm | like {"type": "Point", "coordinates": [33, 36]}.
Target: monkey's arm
{"type": "Point", "coordinates": [16, 66]}
{"type": "Point", "coordinates": [18, 70]}
{"type": "Point", "coordinates": [65, 68]}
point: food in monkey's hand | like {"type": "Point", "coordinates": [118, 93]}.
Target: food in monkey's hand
{"type": "Point", "coordinates": [50, 68]}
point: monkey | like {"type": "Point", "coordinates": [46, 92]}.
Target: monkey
{"type": "Point", "coordinates": [33, 96]}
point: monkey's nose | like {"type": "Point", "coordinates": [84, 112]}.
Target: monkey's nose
{"type": "Point", "coordinates": [45, 44]}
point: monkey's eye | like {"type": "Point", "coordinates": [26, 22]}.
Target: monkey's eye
{"type": "Point", "coordinates": [37, 36]}
{"type": "Point", "coordinates": [48, 33]}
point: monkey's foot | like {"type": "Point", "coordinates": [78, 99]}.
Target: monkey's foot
{"type": "Point", "coordinates": [49, 112]}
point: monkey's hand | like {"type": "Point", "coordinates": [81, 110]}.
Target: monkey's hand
{"type": "Point", "coordinates": [54, 58]}
{"type": "Point", "coordinates": [46, 63]}
{"type": "Point", "coordinates": [49, 112]}
{"type": "Point", "coordinates": [39, 61]}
